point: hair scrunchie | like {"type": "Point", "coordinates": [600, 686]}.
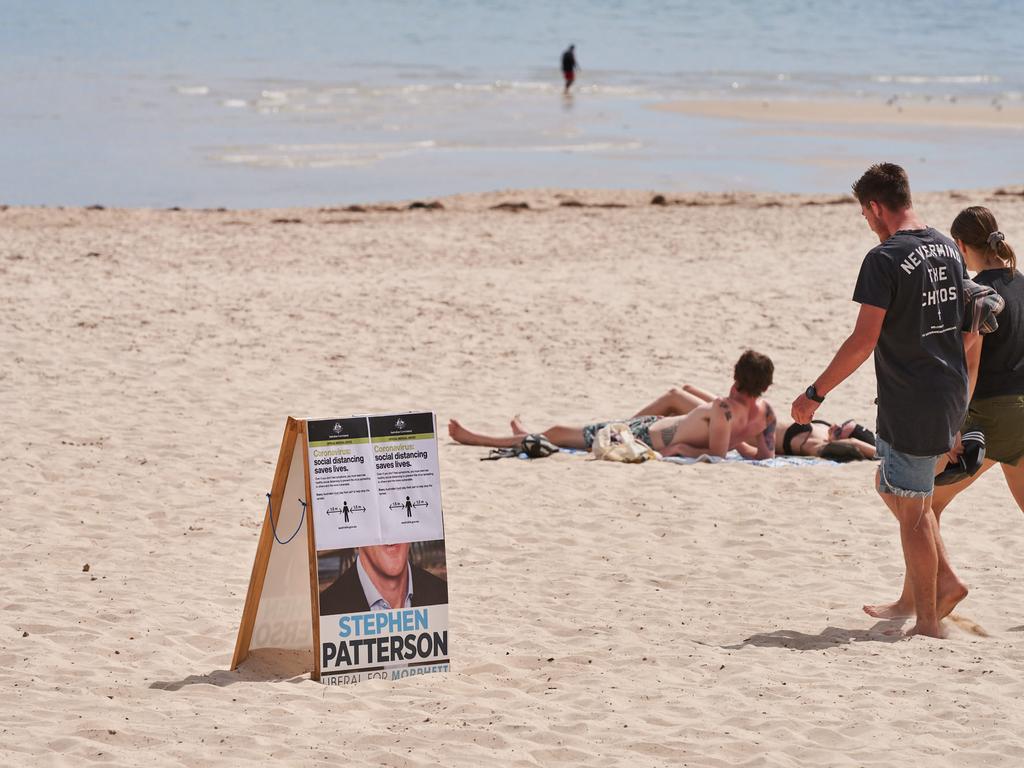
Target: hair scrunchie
{"type": "Point", "coordinates": [995, 238]}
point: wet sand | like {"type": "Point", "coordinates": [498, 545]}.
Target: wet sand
{"type": "Point", "coordinates": [994, 115]}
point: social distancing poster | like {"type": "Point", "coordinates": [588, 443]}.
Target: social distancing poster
{"type": "Point", "coordinates": [376, 547]}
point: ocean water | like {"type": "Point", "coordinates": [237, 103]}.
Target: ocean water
{"type": "Point", "coordinates": [261, 103]}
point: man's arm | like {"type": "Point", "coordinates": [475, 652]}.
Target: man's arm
{"type": "Point", "coordinates": [684, 449]}
{"type": "Point", "coordinates": [766, 439]}
{"type": "Point", "coordinates": [746, 450]}
{"type": "Point", "coordinates": [972, 350]}
{"type": "Point", "coordinates": [719, 429]}
{"type": "Point", "coordinates": [851, 355]}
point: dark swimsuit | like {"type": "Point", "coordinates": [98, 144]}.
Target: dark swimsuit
{"type": "Point", "coordinates": [859, 432]}
{"type": "Point", "coordinates": [797, 429]}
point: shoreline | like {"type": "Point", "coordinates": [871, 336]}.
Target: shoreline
{"type": "Point", "coordinates": [894, 112]}
{"type": "Point", "coordinates": [530, 200]}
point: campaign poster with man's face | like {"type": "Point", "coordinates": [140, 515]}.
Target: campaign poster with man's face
{"type": "Point", "coordinates": [383, 597]}
{"type": "Point", "coordinates": [383, 608]}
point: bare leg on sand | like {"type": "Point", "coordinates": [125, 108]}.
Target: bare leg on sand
{"type": "Point", "coordinates": [919, 539]}
{"type": "Point", "coordinates": [919, 534]}
{"type": "Point", "coordinates": [676, 402]}
{"type": "Point", "coordinates": [951, 589]}
{"type": "Point", "coordinates": [566, 437]}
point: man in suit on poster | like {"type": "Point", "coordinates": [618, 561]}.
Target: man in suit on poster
{"type": "Point", "coordinates": [382, 578]}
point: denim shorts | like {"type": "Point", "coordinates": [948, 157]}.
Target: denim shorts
{"type": "Point", "coordinates": [902, 474]}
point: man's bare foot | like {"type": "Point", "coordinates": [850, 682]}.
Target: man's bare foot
{"type": "Point", "coordinates": [897, 610]}
{"type": "Point", "coordinates": [927, 630]}
{"type": "Point", "coordinates": [949, 597]}
{"type": "Point", "coordinates": [459, 433]}
{"type": "Point", "coordinates": [517, 426]}
{"type": "Point", "coordinates": [951, 592]}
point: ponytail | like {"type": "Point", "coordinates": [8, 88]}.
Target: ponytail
{"type": "Point", "coordinates": [976, 226]}
{"type": "Point", "coordinates": [1005, 252]}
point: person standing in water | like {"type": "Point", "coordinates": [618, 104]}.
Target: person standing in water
{"type": "Point", "coordinates": [569, 67]}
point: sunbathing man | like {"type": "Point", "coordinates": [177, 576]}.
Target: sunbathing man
{"type": "Point", "coordinates": [712, 428]}
{"type": "Point", "coordinates": [848, 441]}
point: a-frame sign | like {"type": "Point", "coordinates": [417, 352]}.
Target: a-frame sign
{"type": "Point", "coordinates": [351, 560]}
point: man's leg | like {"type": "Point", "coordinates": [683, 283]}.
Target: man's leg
{"type": "Point", "coordinates": [675, 402]}
{"type": "Point", "coordinates": [918, 534]}
{"type": "Point", "coordinates": [951, 589]}
{"type": "Point", "coordinates": [566, 437]}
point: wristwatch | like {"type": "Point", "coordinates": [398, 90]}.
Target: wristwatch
{"type": "Point", "coordinates": [812, 394]}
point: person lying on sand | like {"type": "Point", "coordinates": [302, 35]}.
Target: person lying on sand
{"type": "Point", "coordinates": [848, 441]}
{"type": "Point", "coordinates": [713, 428]}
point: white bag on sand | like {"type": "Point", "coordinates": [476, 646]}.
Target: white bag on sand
{"type": "Point", "coordinates": [614, 442]}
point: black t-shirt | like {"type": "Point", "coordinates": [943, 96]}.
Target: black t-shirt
{"type": "Point", "coordinates": [1001, 371]}
{"type": "Point", "coordinates": [568, 61]}
{"type": "Point", "coordinates": [917, 277]}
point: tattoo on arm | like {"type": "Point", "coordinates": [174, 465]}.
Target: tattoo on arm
{"type": "Point", "coordinates": [728, 411]}
{"type": "Point", "coordinates": [668, 433]}
{"type": "Point", "coordinates": [769, 429]}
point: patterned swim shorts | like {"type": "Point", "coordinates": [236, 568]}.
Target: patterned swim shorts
{"type": "Point", "coordinates": [640, 427]}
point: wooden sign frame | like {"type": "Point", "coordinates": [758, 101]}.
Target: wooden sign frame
{"type": "Point", "coordinates": [294, 437]}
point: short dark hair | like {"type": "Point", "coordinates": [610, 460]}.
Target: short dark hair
{"type": "Point", "coordinates": [886, 184]}
{"type": "Point", "coordinates": [753, 373]}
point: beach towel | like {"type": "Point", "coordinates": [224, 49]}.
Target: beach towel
{"type": "Point", "coordinates": [732, 456]}
{"type": "Point", "coordinates": [778, 461]}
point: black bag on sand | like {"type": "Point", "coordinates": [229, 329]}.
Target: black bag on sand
{"type": "Point", "coordinates": [970, 460]}
{"type": "Point", "coordinates": [538, 446]}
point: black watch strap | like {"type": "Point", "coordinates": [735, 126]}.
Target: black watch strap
{"type": "Point", "coordinates": [812, 394]}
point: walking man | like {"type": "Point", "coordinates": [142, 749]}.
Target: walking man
{"type": "Point", "coordinates": [911, 293]}
{"type": "Point", "coordinates": [569, 67]}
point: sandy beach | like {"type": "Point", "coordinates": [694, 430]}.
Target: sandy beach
{"type": "Point", "coordinates": [601, 614]}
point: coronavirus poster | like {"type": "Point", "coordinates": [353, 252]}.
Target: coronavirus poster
{"type": "Point", "coordinates": [379, 532]}
{"type": "Point", "coordinates": [343, 483]}
{"type": "Point", "coordinates": [408, 493]}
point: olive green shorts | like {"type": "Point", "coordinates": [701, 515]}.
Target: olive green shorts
{"type": "Point", "coordinates": [1002, 420]}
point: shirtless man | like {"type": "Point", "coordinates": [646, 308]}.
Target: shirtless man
{"type": "Point", "coordinates": [713, 428]}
